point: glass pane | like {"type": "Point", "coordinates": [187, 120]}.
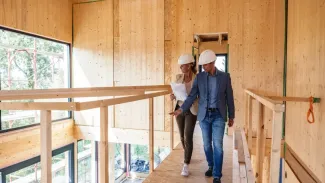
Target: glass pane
{"type": "Point", "coordinates": [60, 167]}
{"type": "Point", "coordinates": [139, 158]}
{"type": "Point", "coordinates": [86, 161]}
{"type": "Point", "coordinates": [160, 154]}
{"type": "Point", "coordinates": [30, 174]}
{"type": "Point", "coordinates": [221, 63]}
{"type": "Point", "coordinates": [31, 63]}
{"type": "Point", "coordinates": [119, 160]}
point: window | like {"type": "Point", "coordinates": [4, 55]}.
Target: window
{"type": "Point", "coordinates": [29, 62]}
{"type": "Point", "coordinates": [139, 158]}
{"type": "Point", "coordinates": [120, 163]}
{"type": "Point", "coordinates": [160, 154]}
{"type": "Point", "coordinates": [86, 161]}
{"type": "Point", "coordinates": [29, 171]}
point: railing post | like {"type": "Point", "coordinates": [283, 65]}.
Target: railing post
{"type": "Point", "coordinates": [172, 129]}
{"type": "Point", "coordinates": [103, 146]}
{"type": "Point", "coordinates": [260, 144]}
{"type": "Point", "coordinates": [46, 146]}
{"type": "Point", "coordinates": [151, 135]}
{"type": "Point", "coordinates": [250, 124]}
{"type": "Point", "coordinates": [276, 146]}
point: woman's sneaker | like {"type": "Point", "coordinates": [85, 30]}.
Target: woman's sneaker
{"type": "Point", "coordinates": [185, 171]}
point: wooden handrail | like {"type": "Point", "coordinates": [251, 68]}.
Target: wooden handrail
{"type": "Point", "coordinates": [271, 104]}
{"type": "Point", "coordinates": [79, 92]}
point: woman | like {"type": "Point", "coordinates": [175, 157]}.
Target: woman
{"type": "Point", "coordinates": [187, 120]}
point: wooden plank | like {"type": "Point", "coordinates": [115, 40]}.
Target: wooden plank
{"type": "Point", "coordinates": [260, 150]}
{"type": "Point", "coordinates": [235, 170]}
{"type": "Point", "coordinates": [250, 123]}
{"type": "Point", "coordinates": [239, 141]}
{"type": "Point", "coordinates": [242, 170]}
{"type": "Point", "coordinates": [171, 130]}
{"type": "Point", "coordinates": [151, 136]}
{"type": "Point", "coordinates": [303, 173]}
{"type": "Point", "coordinates": [273, 105]}
{"type": "Point", "coordinates": [248, 162]}
{"type": "Point", "coordinates": [79, 92]}
{"type": "Point", "coordinates": [103, 146]}
{"type": "Point", "coordinates": [293, 99]}
{"type": "Point", "coordinates": [64, 106]}
{"type": "Point", "coordinates": [276, 147]}
{"type": "Point", "coordinates": [46, 146]}
{"type": "Point", "coordinates": [289, 176]}
{"type": "Point", "coordinates": [115, 101]}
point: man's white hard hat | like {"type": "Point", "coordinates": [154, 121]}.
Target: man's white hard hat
{"type": "Point", "coordinates": [185, 59]}
{"type": "Point", "coordinates": [207, 56]}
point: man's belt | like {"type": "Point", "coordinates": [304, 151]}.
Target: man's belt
{"type": "Point", "coordinates": [212, 109]}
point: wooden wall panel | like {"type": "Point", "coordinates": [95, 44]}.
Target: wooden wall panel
{"type": "Point", "coordinates": [141, 59]}
{"type": "Point", "coordinates": [92, 52]}
{"type": "Point", "coordinates": [20, 145]}
{"type": "Point", "coordinates": [306, 65]}
{"type": "Point", "coordinates": [48, 18]}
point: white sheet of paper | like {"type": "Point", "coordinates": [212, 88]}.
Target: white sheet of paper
{"type": "Point", "coordinates": [179, 91]}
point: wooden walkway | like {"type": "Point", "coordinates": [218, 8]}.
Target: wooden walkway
{"type": "Point", "coordinates": [170, 169]}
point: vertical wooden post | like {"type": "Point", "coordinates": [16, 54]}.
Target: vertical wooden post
{"type": "Point", "coordinates": [276, 146]}
{"type": "Point", "coordinates": [260, 144]}
{"type": "Point", "coordinates": [151, 136]}
{"type": "Point", "coordinates": [103, 146]}
{"type": "Point", "coordinates": [46, 147]}
{"type": "Point", "coordinates": [172, 130]}
{"type": "Point", "coordinates": [250, 124]}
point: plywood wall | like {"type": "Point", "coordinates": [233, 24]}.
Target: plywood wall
{"type": "Point", "coordinates": [306, 65]}
{"type": "Point", "coordinates": [92, 53]}
{"type": "Point", "coordinates": [48, 18]}
{"type": "Point", "coordinates": [256, 41]}
{"type": "Point", "coordinates": [139, 36]}
{"type": "Point", "coordinates": [20, 145]}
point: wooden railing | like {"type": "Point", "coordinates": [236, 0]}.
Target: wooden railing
{"type": "Point", "coordinates": [130, 93]}
{"type": "Point", "coordinates": [278, 108]}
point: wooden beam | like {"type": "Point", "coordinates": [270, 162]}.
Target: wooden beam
{"type": "Point", "coordinates": [271, 104]}
{"type": "Point", "coordinates": [299, 168]}
{"type": "Point", "coordinates": [242, 171]}
{"type": "Point", "coordinates": [293, 99]}
{"type": "Point", "coordinates": [64, 106]}
{"type": "Point", "coordinates": [115, 101]}
{"type": "Point", "coordinates": [46, 146]}
{"type": "Point", "coordinates": [171, 136]}
{"type": "Point", "coordinates": [276, 146]}
{"type": "Point", "coordinates": [79, 92]}
{"type": "Point", "coordinates": [235, 169]}
{"type": "Point", "coordinates": [120, 135]}
{"type": "Point", "coordinates": [250, 123]}
{"type": "Point", "coordinates": [239, 146]}
{"type": "Point", "coordinates": [248, 162]}
{"type": "Point", "coordinates": [151, 135]}
{"type": "Point", "coordinates": [103, 146]}
{"type": "Point", "coordinates": [260, 150]}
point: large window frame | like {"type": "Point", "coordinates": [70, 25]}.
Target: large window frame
{"type": "Point", "coordinates": [68, 69]}
{"type": "Point", "coordinates": [13, 168]}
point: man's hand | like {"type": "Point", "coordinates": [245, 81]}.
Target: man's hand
{"type": "Point", "coordinates": [230, 122]}
{"type": "Point", "coordinates": [176, 113]}
{"type": "Point", "coordinates": [172, 97]}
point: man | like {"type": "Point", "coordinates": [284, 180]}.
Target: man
{"type": "Point", "coordinates": [213, 87]}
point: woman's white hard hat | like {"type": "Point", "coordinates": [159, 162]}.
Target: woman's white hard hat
{"type": "Point", "coordinates": [185, 59]}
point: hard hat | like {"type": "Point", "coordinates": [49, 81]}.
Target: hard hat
{"type": "Point", "coordinates": [207, 56]}
{"type": "Point", "coordinates": [185, 59]}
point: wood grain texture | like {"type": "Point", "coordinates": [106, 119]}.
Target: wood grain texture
{"type": "Point", "coordinates": [48, 18]}
{"type": "Point", "coordinates": [306, 55]}
{"type": "Point", "coordinates": [141, 59]}
{"type": "Point", "coordinates": [92, 53]}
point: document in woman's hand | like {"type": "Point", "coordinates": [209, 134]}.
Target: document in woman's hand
{"type": "Point", "coordinates": [179, 91]}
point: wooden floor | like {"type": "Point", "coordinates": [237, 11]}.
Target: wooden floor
{"type": "Point", "coordinates": [170, 169]}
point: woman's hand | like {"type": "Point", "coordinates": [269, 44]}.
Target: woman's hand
{"type": "Point", "coordinates": [172, 97]}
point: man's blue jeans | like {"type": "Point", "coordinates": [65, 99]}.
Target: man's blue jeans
{"type": "Point", "coordinates": [213, 127]}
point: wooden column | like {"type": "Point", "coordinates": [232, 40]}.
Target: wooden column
{"type": "Point", "coordinates": [249, 122]}
{"type": "Point", "coordinates": [172, 130]}
{"type": "Point", "coordinates": [46, 147]}
{"type": "Point", "coordinates": [260, 150]}
{"type": "Point", "coordinates": [151, 135]}
{"type": "Point", "coordinates": [103, 146]}
{"type": "Point", "coordinates": [276, 146]}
